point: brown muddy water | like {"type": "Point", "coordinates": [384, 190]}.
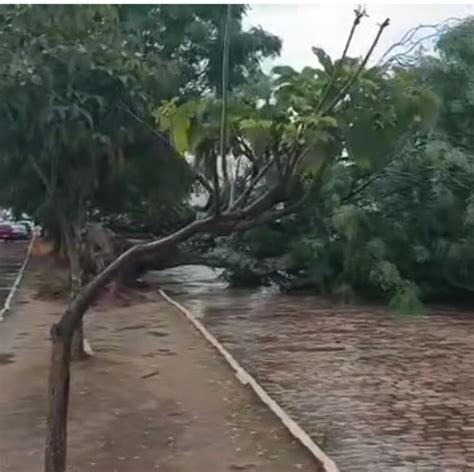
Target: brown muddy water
{"type": "Point", "coordinates": [378, 392]}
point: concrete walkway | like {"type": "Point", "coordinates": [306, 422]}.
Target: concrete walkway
{"type": "Point", "coordinates": [155, 397]}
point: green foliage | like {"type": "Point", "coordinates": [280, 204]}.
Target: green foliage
{"type": "Point", "coordinates": [191, 37]}
{"type": "Point", "coordinates": [347, 221]}
{"type": "Point", "coordinates": [386, 276]}
{"type": "Point", "coordinates": [76, 91]}
{"type": "Point", "coordinates": [406, 300]}
{"type": "Point", "coordinates": [99, 104]}
{"type": "Point", "coordinates": [324, 60]}
{"type": "Point", "coordinates": [393, 218]}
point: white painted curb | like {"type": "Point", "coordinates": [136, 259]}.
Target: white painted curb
{"type": "Point", "coordinates": [8, 301]}
{"type": "Point", "coordinates": [294, 428]}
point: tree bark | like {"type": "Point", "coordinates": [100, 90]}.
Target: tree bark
{"type": "Point", "coordinates": [77, 345]}
{"type": "Point", "coordinates": [58, 402]}
{"type": "Point", "coordinates": [73, 242]}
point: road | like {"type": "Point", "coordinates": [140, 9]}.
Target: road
{"type": "Point", "coordinates": [12, 256]}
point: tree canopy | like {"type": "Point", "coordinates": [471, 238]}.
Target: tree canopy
{"type": "Point", "coordinates": [76, 94]}
{"type": "Point", "coordinates": [392, 220]}
{"type": "Point", "coordinates": [361, 166]}
{"type": "Point", "coordinates": [191, 37]}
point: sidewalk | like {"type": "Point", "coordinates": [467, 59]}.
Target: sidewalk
{"type": "Point", "coordinates": [154, 397]}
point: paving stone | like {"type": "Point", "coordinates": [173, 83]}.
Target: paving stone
{"type": "Point", "coordinates": [397, 395]}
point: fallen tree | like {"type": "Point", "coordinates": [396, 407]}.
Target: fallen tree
{"type": "Point", "coordinates": [258, 156]}
{"type": "Point", "coordinates": [267, 182]}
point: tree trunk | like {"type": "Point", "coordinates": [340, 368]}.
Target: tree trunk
{"type": "Point", "coordinates": [77, 346]}
{"type": "Point", "coordinates": [73, 242]}
{"type": "Point", "coordinates": [58, 401]}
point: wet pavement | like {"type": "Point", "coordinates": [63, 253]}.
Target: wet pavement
{"type": "Point", "coordinates": [378, 392]}
{"type": "Point", "coordinates": [12, 256]}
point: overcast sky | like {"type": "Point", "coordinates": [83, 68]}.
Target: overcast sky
{"type": "Point", "coordinates": [303, 26]}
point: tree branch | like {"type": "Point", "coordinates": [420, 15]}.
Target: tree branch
{"type": "Point", "coordinates": [215, 183]}
{"type": "Point", "coordinates": [203, 182]}
{"type": "Point", "coordinates": [224, 85]}
{"type": "Point", "coordinates": [39, 172]}
{"type": "Point", "coordinates": [80, 304]}
{"type": "Point", "coordinates": [405, 55]}
{"type": "Point", "coordinates": [247, 151]}
{"type": "Point", "coordinates": [252, 185]}
{"type": "Point", "coordinates": [275, 214]}
{"type": "Point", "coordinates": [361, 188]}
{"type": "Point", "coordinates": [233, 184]}
{"type": "Point", "coordinates": [221, 224]}
{"type": "Point", "coordinates": [341, 94]}
{"type": "Point", "coordinates": [352, 79]}
{"type": "Point", "coordinates": [408, 36]}
{"type": "Point", "coordinates": [358, 16]}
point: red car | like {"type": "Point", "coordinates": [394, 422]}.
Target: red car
{"type": "Point", "coordinates": [7, 232]}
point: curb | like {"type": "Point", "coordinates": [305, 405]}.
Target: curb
{"type": "Point", "coordinates": [14, 288]}
{"type": "Point", "coordinates": [245, 378]}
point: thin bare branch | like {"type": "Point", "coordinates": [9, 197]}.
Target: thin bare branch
{"type": "Point", "coordinates": [247, 150]}
{"type": "Point", "coordinates": [215, 183]}
{"type": "Point", "coordinates": [276, 154]}
{"type": "Point", "coordinates": [359, 14]}
{"type": "Point", "coordinates": [200, 178]}
{"type": "Point", "coordinates": [252, 185]}
{"type": "Point", "coordinates": [355, 191]}
{"type": "Point", "coordinates": [39, 172]}
{"type": "Point", "coordinates": [224, 86]}
{"type": "Point", "coordinates": [359, 70]}
{"type": "Point", "coordinates": [342, 92]}
{"type": "Point", "coordinates": [409, 35]}
{"type": "Point", "coordinates": [234, 183]}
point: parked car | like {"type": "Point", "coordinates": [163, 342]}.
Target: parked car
{"type": "Point", "coordinates": [29, 226]}
{"type": "Point", "coordinates": [6, 232]}
{"type": "Point", "coordinates": [20, 232]}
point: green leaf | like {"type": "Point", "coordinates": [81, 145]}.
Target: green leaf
{"type": "Point", "coordinates": [320, 148]}
{"type": "Point", "coordinates": [346, 220]}
{"type": "Point", "coordinates": [406, 300]}
{"type": "Point", "coordinates": [328, 122]}
{"type": "Point", "coordinates": [385, 275]}
{"type": "Point", "coordinates": [368, 144]}
{"type": "Point", "coordinates": [284, 71]}
{"type": "Point", "coordinates": [377, 248]}
{"type": "Point", "coordinates": [178, 120]}
{"type": "Point", "coordinates": [421, 254]}
{"type": "Point", "coordinates": [323, 59]}
{"type": "Point", "coordinates": [257, 132]}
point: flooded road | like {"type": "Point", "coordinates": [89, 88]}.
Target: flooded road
{"type": "Point", "coordinates": [378, 392]}
{"type": "Point", "coordinates": [12, 256]}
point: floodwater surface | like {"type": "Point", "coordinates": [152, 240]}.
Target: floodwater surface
{"type": "Point", "coordinates": [378, 392]}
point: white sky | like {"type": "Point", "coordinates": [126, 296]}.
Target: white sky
{"type": "Point", "coordinates": [327, 26]}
